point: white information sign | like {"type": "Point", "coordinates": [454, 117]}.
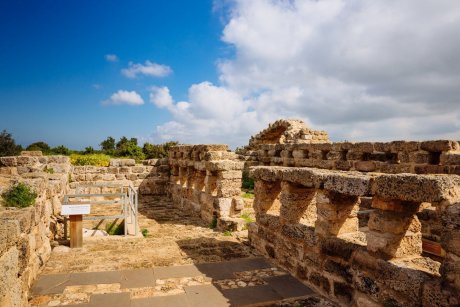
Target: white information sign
{"type": "Point", "coordinates": [76, 209]}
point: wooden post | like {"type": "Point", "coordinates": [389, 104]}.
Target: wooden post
{"type": "Point", "coordinates": [76, 231]}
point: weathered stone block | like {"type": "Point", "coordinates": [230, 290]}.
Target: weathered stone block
{"type": "Point", "coordinates": [365, 166]}
{"type": "Point", "coordinates": [439, 145]}
{"type": "Point", "coordinates": [350, 183]}
{"type": "Point", "coordinates": [417, 188]}
{"type": "Point", "coordinates": [392, 246]}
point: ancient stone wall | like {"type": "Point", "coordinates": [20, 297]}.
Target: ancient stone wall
{"type": "Point", "coordinates": [150, 176]}
{"type": "Point", "coordinates": [25, 234]}
{"type": "Point", "coordinates": [429, 157]}
{"type": "Point", "coordinates": [206, 181]}
{"type": "Point", "coordinates": [306, 221]}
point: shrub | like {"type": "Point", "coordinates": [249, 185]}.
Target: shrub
{"type": "Point", "coordinates": [115, 229]}
{"type": "Point", "coordinates": [8, 146]}
{"type": "Point", "coordinates": [213, 223]}
{"type": "Point", "coordinates": [247, 183]}
{"type": "Point", "coordinates": [227, 233]}
{"type": "Point", "coordinates": [40, 146]}
{"type": "Point", "coordinates": [94, 159]}
{"type": "Point", "coordinates": [145, 232]}
{"type": "Point", "coordinates": [19, 196]}
{"type": "Point", "coordinates": [156, 151]}
{"type": "Point", "coordinates": [61, 150]}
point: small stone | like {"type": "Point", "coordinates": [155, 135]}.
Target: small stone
{"type": "Point", "coordinates": [54, 303]}
{"type": "Point", "coordinates": [241, 284]}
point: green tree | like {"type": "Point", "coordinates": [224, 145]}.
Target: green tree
{"type": "Point", "coordinates": [122, 142]}
{"type": "Point", "coordinates": [42, 146]}
{"type": "Point", "coordinates": [155, 151]}
{"type": "Point", "coordinates": [61, 150]}
{"type": "Point", "coordinates": [89, 150]}
{"type": "Point", "coordinates": [108, 144]}
{"type": "Point", "coordinates": [8, 146]}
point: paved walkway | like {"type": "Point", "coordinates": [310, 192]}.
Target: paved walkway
{"type": "Point", "coordinates": [182, 263]}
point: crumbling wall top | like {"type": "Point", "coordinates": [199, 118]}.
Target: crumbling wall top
{"type": "Point", "coordinates": [288, 131]}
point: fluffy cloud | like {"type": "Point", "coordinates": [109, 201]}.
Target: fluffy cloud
{"type": "Point", "coordinates": [111, 58]}
{"type": "Point", "coordinates": [147, 69]}
{"type": "Point", "coordinates": [125, 97]}
{"type": "Point", "coordinates": [359, 69]}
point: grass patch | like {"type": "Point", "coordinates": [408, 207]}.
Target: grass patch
{"type": "Point", "coordinates": [92, 159]}
{"type": "Point", "coordinates": [247, 218]}
{"type": "Point", "coordinates": [49, 170]}
{"type": "Point", "coordinates": [248, 195]}
{"type": "Point", "coordinates": [115, 229]}
{"type": "Point", "coordinates": [145, 232]}
{"type": "Point", "coordinates": [227, 233]}
{"type": "Point", "coordinates": [19, 196]}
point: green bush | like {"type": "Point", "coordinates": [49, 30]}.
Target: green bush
{"type": "Point", "coordinates": [8, 146]}
{"type": "Point", "coordinates": [115, 229]}
{"type": "Point", "coordinates": [39, 146]}
{"type": "Point", "coordinates": [19, 196]}
{"type": "Point", "coordinates": [247, 183]}
{"type": "Point", "coordinates": [94, 159]}
{"type": "Point", "coordinates": [145, 232]}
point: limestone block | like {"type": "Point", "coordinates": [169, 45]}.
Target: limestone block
{"type": "Point", "coordinates": [407, 146]}
{"type": "Point", "coordinates": [365, 166]}
{"type": "Point", "coordinates": [122, 162]}
{"type": "Point", "coordinates": [27, 161]}
{"type": "Point", "coordinates": [297, 202]}
{"type": "Point", "coordinates": [324, 227]}
{"type": "Point", "coordinates": [420, 157]}
{"type": "Point", "coordinates": [392, 246]}
{"type": "Point", "coordinates": [237, 204]}
{"type": "Point", "coordinates": [230, 174]}
{"type": "Point", "coordinates": [10, 288]}
{"type": "Point", "coordinates": [363, 147]}
{"type": "Point", "coordinates": [394, 222]}
{"type": "Point", "coordinates": [350, 183]}
{"type": "Point", "coordinates": [228, 188]}
{"type": "Point", "coordinates": [230, 224]}
{"type": "Point", "coordinates": [450, 158]}
{"type": "Point", "coordinates": [450, 270]}
{"type": "Point", "coordinates": [31, 153]}
{"type": "Point", "coordinates": [417, 188]}
{"type": "Point", "coordinates": [439, 145]}
{"type": "Point", "coordinates": [223, 206]}
{"type": "Point", "coordinates": [8, 161]}
{"type": "Point", "coordinates": [266, 196]}
{"type": "Point", "coordinates": [435, 294]}
{"type": "Point", "coordinates": [354, 155]}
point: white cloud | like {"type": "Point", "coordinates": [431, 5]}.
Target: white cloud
{"type": "Point", "coordinates": [125, 97]}
{"type": "Point", "coordinates": [362, 70]}
{"type": "Point", "coordinates": [111, 58]}
{"type": "Point", "coordinates": [147, 69]}
{"type": "Point", "coordinates": [161, 97]}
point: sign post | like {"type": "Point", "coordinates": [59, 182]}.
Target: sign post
{"type": "Point", "coordinates": [75, 213]}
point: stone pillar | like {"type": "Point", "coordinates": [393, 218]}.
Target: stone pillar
{"type": "Point", "coordinates": [298, 204]}
{"type": "Point", "coordinates": [211, 183]}
{"type": "Point", "coordinates": [267, 196]}
{"type": "Point", "coordinates": [394, 229]}
{"type": "Point", "coordinates": [182, 176]}
{"type": "Point", "coordinates": [450, 240]}
{"type": "Point", "coordinates": [337, 213]}
{"type": "Point", "coordinates": [228, 183]}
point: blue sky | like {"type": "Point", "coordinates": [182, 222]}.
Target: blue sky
{"type": "Point", "coordinates": [54, 74]}
{"type": "Point", "coordinates": [218, 71]}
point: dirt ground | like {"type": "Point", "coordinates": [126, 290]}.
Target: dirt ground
{"type": "Point", "coordinates": [173, 238]}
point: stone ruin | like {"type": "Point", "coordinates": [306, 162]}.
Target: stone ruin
{"type": "Point", "coordinates": [364, 224]}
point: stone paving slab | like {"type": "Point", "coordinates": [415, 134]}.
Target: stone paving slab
{"type": "Point", "coordinates": [137, 278]}
{"type": "Point", "coordinates": [251, 295]}
{"type": "Point", "coordinates": [110, 300]}
{"type": "Point", "coordinates": [178, 300]}
{"type": "Point", "coordinates": [205, 295]}
{"type": "Point", "coordinates": [225, 270]}
{"type": "Point", "coordinates": [176, 271]}
{"type": "Point", "coordinates": [50, 284]}
{"type": "Point", "coordinates": [288, 286]}
{"type": "Point", "coordinates": [92, 278]}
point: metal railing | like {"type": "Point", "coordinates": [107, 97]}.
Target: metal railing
{"type": "Point", "coordinates": [125, 196]}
